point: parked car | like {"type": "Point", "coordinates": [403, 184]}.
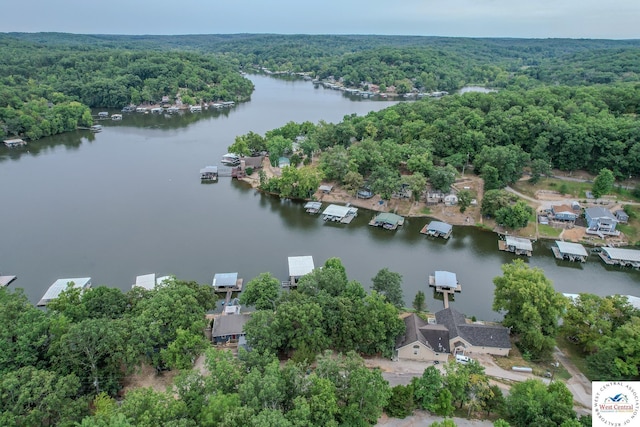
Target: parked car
{"type": "Point", "coordinates": [364, 193]}
{"type": "Point", "coordinates": [461, 358]}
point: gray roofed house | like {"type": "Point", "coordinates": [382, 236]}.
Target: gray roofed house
{"type": "Point", "coordinates": [600, 221]}
{"type": "Point", "coordinates": [229, 328]}
{"type": "Point", "coordinates": [471, 337]}
{"type": "Point", "coordinates": [437, 229]}
{"type": "Point", "coordinates": [423, 341]}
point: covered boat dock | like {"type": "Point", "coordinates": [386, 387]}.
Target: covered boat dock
{"type": "Point", "coordinates": [149, 281]}
{"type": "Point", "coordinates": [6, 280]}
{"type": "Point", "coordinates": [445, 283]}
{"type": "Point", "coordinates": [337, 213]}
{"type": "Point", "coordinates": [570, 251]}
{"type": "Point", "coordinates": [209, 173]}
{"type": "Point", "coordinates": [60, 285]}
{"type": "Point", "coordinates": [387, 220]}
{"type": "Point", "coordinates": [298, 267]}
{"type": "Point", "coordinates": [313, 207]}
{"type": "Point", "coordinates": [621, 257]}
{"type": "Point", "coordinates": [437, 229]}
{"type": "Point", "coordinates": [517, 245]}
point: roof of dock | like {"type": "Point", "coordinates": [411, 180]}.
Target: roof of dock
{"type": "Point", "coordinates": [147, 281]}
{"type": "Point", "coordinates": [571, 248]}
{"type": "Point", "coordinates": [313, 205]}
{"type": "Point", "coordinates": [389, 218]}
{"type": "Point", "coordinates": [300, 265]}
{"type": "Point", "coordinates": [439, 226]}
{"type": "Point", "coordinates": [622, 254]}
{"type": "Point", "coordinates": [519, 243]}
{"type": "Point", "coordinates": [225, 280]}
{"type": "Point", "coordinates": [5, 280]}
{"type": "Point", "coordinates": [338, 210]}
{"type": "Point", "coordinates": [446, 279]}
{"type": "Point", "coordinates": [209, 169]}
{"type": "Point", "coordinates": [60, 285]}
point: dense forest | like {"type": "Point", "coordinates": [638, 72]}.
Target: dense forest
{"type": "Point", "coordinates": [45, 91]}
{"type": "Point", "coordinates": [67, 365]}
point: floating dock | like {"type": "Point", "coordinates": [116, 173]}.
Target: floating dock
{"type": "Point", "coordinates": [313, 207]}
{"type": "Point", "coordinates": [11, 143]}
{"type": "Point", "coordinates": [338, 213]}
{"type": "Point", "coordinates": [445, 283]}
{"type": "Point", "coordinates": [437, 229]}
{"type": "Point", "coordinates": [516, 245]}
{"type": "Point", "coordinates": [621, 257]}
{"type": "Point", "coordinates": [60, 285]}
{"type": "Point", "coordinates": [387, 220]}
{"type": "Point", "coordinates": [570, 251]}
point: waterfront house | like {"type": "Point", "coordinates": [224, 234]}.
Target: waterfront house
{"type": "Point", "coordinates": [229, 329]}
{"type": "Point", "coordinates": [298, 267]}
{"type": "Point", "coordinates": [422, 341]}
{"type": "Point", "coordinates": [470, 338]}
{"type": "Point", "coordinates": [600, 221]}
{"type": "Point", "coordinates": [563, 213]}
{"type": "Point", "coordinates": [60, 285]}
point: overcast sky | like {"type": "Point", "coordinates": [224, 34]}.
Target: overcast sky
{"type": "Point", "coordinates": [610, 19]}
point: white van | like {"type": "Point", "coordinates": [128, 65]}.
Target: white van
{"type": "Point", "coordinates": [461, 358]}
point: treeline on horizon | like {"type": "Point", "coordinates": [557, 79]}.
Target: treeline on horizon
{"type": "Point", "coordinates": [41, 69]}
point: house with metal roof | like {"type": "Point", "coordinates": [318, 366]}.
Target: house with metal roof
{"type": "Point", "coordinates": [437, 229]}
{"type": "Point", "coordinates": [313, 207]}
{"type": "Point", "coordinates": [444, 280]}
{"type": "Point", "coordinates": [601, 222]}
{"type": "Point", "coordinates": [229, 328]}
{"type": "Point", "coordinates": [570, 251]}
{"type": "Point", "coordinates": [621, 257]}
{"type": "Point", "coordinates": [517, 245]}
{"type": "Point", "coordinates": [209, 173]}
{"type": "Point", "coordinates": [423, 341]}
{"type": "Point", "coordinates": [298, 267]}
{"type": "Point", "coordinates": [62, 284]}
{"type": "Point", "coordinates": [563, 213]}
{"type": "Point", "coordinates": [469, 338]}
{"type": "Point", "coordinates": [387, 220]}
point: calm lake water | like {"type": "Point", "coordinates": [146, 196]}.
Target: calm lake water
{"type": "Point", "coordinates": [128, 201]}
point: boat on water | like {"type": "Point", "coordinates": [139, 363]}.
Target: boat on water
{"type": "Point", "coordinates": [96, 128]}
{"type": "Point", "coordinates": [230, 159]}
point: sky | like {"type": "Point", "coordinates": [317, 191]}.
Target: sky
{"type": "Point", "coordinates": [596, 19]}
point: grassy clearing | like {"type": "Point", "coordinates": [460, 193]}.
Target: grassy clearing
{"type": "Point", "coordinates": [548, 231]}
{"type": "Point", "coordinates": [539, 369]}
{"type": "Point", "coordinates": [425, 211]}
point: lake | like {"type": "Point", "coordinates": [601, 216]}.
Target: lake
{"type": "Point", "coordinates": [128, 201]}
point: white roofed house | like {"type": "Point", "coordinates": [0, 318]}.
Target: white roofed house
{"type": "Point", "coordinates": [62, 284]}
